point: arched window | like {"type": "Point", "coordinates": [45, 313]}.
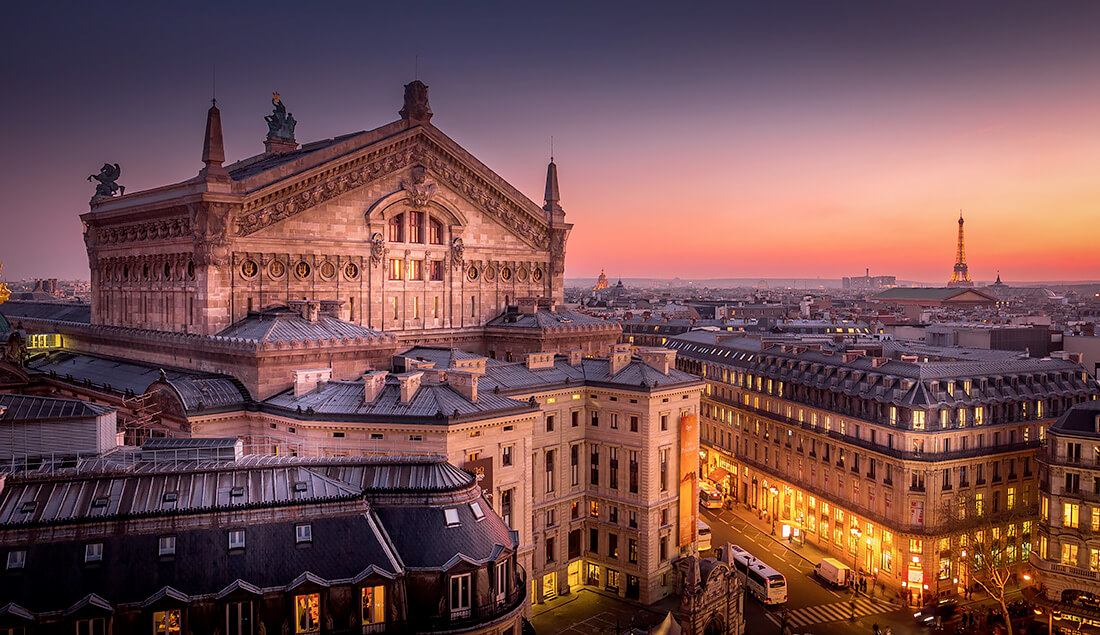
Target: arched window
{"type": "Point", "coordinates": [397, 229]}
{"type": "Point", "coordinates": [416, 227]}
{"type": "Point", "coordinates": [435, 231]}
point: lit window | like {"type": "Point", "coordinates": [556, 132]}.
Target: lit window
{"type": "Point", "coordinates": [373, 603]}
{"type": "Point", "coordinates": [307, 613]}
{"type": "Point", "coordinates": [303, 533]}
{"type": "Point", "coordinates": [93, 552]}
{"type": "Point", "coordinates": [476, 508]}
{"type": "Point", "coordinates": [451, 515]}
{"type": "Point", "coordinates": [166, 546]}
{"type": "Point", "coordinates": [167, 622]}
{"type": "Point", "coordinates": [17, 559]}
{"type": "Point", "coordinates": [236, 539]}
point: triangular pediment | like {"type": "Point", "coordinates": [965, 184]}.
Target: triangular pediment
{"type": "Point", "coordinates": [445, 165]}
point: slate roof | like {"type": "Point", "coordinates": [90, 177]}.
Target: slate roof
{"type": "Point", "coordinates": [260, 163]}
{"type": "Point", "coordinates": [543, 319]}
{"type": "Point", "coordinates": [345, 399]}
{"type": "Point", "coordinates": [477, 541]}
{"type": "Point", "coordinates": [194, 388]}
{"type": "Point", "coordinates": [29, 408]}
{"type": "Point", "coordinates": [893, 381]}
{"type": "Point", "coordinates": [936, 294]}
{"type": "Point", "coordinates": [342, 548]}
{"type": "Point", "coordinates": [285, 325]}
{"type": "Point", "coordinates": [61, 311]}
{"type": "Point", "coordinates": [504, 377]}
{"type": "Point", "coordinates": [1082, 419]}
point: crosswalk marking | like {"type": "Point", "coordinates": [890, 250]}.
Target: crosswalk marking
{"type": "Point", "coordinates": [832, 612]}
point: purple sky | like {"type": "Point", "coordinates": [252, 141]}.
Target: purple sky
{"type": "Point", "coordinates": [797, 139]}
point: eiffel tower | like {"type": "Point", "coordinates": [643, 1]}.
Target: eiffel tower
{"type": "Point", "coordinates": [961, 276]}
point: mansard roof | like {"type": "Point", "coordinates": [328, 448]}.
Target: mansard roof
{"type": "Point", "coordinates": [889, 380]}
{"type": "Point", "coordinates": [59, 311]}
{"type": "Point", "coordinates": [516, 377]}
{"type": "Point", "coordinates": [1082, 419]}
{"type": "Point", "coordinates": [473, 540]}
{"type": "Point", "coordinates": [557, 320]}
{"type": "Point", "coordinates": [282, 324]}
{"type": "Point", "coordinates": [432, 402]}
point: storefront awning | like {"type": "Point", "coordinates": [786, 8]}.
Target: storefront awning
{"type": "Point", "coordinates": [718, 475]}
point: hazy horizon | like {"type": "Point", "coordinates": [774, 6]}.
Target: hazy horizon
{"type": "Point", "coordinates": [795, 137]}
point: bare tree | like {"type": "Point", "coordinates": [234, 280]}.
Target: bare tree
{"type": "Point", "coordinates": [989, 541]}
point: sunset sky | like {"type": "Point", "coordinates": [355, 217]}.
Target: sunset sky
{"type": "Point", "coordinates": [786, 139]}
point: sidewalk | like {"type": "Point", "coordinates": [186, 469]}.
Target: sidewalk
{"type": "Point", "coordinates": [809, 552]}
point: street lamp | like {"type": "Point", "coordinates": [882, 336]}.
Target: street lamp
{"type": "Point", "coordinates": [856, 533]}
{"type": "Point", "coordinates": [775, 506]}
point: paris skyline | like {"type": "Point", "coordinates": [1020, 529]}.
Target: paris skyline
{"type": "Point", "coordinates": [709, 142]}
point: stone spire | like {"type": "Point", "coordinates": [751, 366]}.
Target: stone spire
{"type": "Point", "coordinates": [213, 153]}
{"type": "Point", "coordinates": [552, 196]}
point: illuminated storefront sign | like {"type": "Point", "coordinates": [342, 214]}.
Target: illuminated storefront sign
{"type": "Point", "coordinates": [689, 469]}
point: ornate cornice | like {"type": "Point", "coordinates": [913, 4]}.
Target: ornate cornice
{"type": "Point", "coordinates": [297, 197]}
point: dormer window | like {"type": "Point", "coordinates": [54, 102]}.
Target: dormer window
{"type": "Point", "coordinates": [17, 559]}
{"type": "Point", "coordinates": [303, 533]}
{"type": "Point", "coordinates": [300, 486]}
{"type": "Point", "coordinates": [166, 546]}
{"type": "Point", "coordinates": [451, 516]}
{"type": "Point", "coordinates": [93, 552]}
{"type": "Point", "coordinates": [99, 502]}
{"type": "Point", "coordinates": [170, 497]}
{"type": "Point", "coordinates": [236, 539]}
{"type": "Point", "coordinates": [236, 492]}
{"type": "Point", "coordinates": [476, 508]}
{"type": "Point", "coordinates": [28, 507]}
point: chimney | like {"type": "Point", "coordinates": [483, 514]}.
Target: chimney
{"type": "Point", "coordinates": [473, 365]}
{"type": "Point", "coordinates": [409, 382]}
{"type": "Point", "coordinates": [619, 358]}
{"type": "Point", "coordinates": [213, 152]}
{"type": "Point", "coordinates": [465, 382]}
{"type": "Point", "coordinates": [527, 306]}
{"type": "Point", "coordinates": [662, 359]}
{"type": "Point", "coordinates": [575, 356]}
{"type": "Point", "coordinates": [373, 383]}
{"type": "Point", "coordinates": [538, 361]}
{"type": "Point", "coordinates": [312, 310]}
{"type": "Point", "coordinates": [851, 356]}
{"type": "Point", "coordinates": [909, 358]}
{"type": "Point", "coordinates": [879, 361]}
{"type": "Point", "coordinates": [307, 379]}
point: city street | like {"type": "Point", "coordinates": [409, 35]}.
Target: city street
{"type": "Point", "coordinates": [812, 606]}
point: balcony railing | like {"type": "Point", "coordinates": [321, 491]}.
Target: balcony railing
{"type": "Point", "coordinates": [907, 455]}
{"type": "Point", "coordinates": [1064, 569]}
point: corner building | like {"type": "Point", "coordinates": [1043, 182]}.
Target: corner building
{"type": "Point", "coordinates": [867, 456]}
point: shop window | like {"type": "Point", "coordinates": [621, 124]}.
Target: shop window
{"type": "Point", "coordinates": [167, 622]}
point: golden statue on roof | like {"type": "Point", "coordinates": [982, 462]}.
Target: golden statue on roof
{"type": "Point", "coordinates": [4, 292]}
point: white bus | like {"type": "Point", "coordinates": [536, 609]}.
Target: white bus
{"type": "Point", "coordinates": [709, 496]}
{"type": "Point", "coordinates": [702, 535]}
{"type": "Point", "coordinates": [765, 583]}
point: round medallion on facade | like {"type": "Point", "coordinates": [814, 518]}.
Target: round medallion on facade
{"type": "Point", "coordinates": [536, 275]}
{"type": "Point", "coordinates": [351, 271]}
{"type": "Point", "coordinates": [506, 274]}
{"type": "Point", "coordinates": [302, 269]}
{"type": "Point", "coordinates": [490, 273]}
{"type": "Point", "coordinates": [249, 269]}
{"type": "Point", "coordinates": [521, 274]}
{"type": "Point", "coordinates": [327, 270]}
{"type": "Point", "coordinates": [471, 273]}
{"type": "Point", "coordinates": [276, 269]}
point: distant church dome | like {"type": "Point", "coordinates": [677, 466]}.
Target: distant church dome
{"type": "Point", "coordinates": [601, 282]}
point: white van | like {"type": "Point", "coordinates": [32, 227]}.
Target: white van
{"type": "Point", "coordinates": [834, 572]}
{"type": "Point", "coordinates": [702, 535]}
